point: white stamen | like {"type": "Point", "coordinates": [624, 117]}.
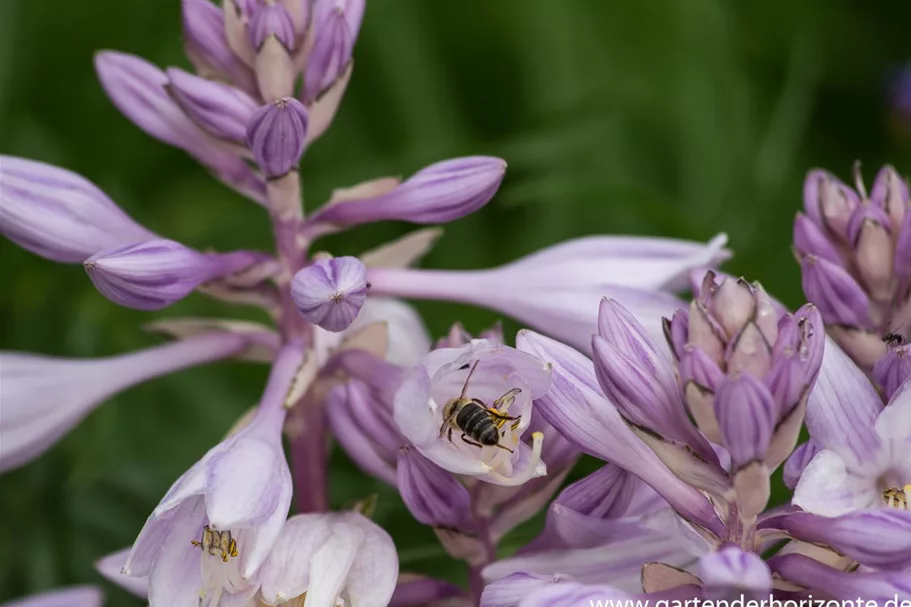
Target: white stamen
{"type": "Point", "coordinates": [531, 467]}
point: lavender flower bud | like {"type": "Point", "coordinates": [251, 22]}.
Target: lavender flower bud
{"type": "Point", "coordinates": [839, 297]}
{"type": "Point", "coordinates": [891, 371]}
{"type": "Point", "coordinates": [746, 418]}
{"type": "Point", "coordinates": [330, 55]}
{"type": "Point", "coordinates": [154, 274]}
{"type": "Point", "coordinates": [271, 20]}
{"type": "Point", "coordinates": [299, 11]}
{"type": "Point", "coordinates": [58, 214]}
{"type": "Point", "coordinates": [675, 332]}
{"type": "Point", "coordinates": [352, 9]}
{"type": "Point", "coordinates": [436, 194]}
{"type": "Point", "coordinates": [809, 239]}
{"type": "Point", "coordinates": [829, 202]}
{"type": "Point", "coordinates": [797, 462]}
{"type": "Point", "coordinates": [903, 251]}
{"type": "Point", "coordinates": [276, 134]}
{"type": "Point", "coordinates": [891, 193]}
{"type": "Point", "coordinates": [207, 47]}
{"type": "Point", "coordinates": [221, 110]}
{"type": "Point", "coordinates": [433, 496]}
{"type": "Point", "coordinates": [873, 249]}
{"type": "Point", "coordinates": [330, 292]}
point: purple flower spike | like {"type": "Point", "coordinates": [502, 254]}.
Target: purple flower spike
{"type": "Point", "coordinates": [271, 20]}
{"type": "Point", "coordinates": [58, 214]}
{"type": "Point", "coordinates": [207, 47]}
{"type": "Point", "coordinates": [746, 417]}
{"type": "Point", "coordinates": [330, 55]}
{"type": "Point", "coordinates": [154, 274]}
{"type": "Point", "coordinates": [221, 110]}
{"type": "Point", "coordinates": [837, 295]}
{"type": "Point", "coordinates": [74, 596]}
{"type": "Point", "coordinates": [439, 193]}
{"type": "Point", "coordinates": [330, 292]}
{"type": "Point", "coordinates": [276, 134]}
{"type": "Point", "coordinates": [433, 496]}
{"type": "Point", "coordinates": [731, 573]}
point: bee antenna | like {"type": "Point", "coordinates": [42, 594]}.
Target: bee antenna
{"type": "Point", "coordinates": [470, 372]}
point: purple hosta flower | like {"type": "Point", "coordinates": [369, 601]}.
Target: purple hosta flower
{"type": "Point", "coordinates": [864, 459]}
{"type": "Point", "coordinates": [45, 397]}
{"type": "Point", "coordinates": [466, 409]}
{"type": "Point", "coordinates": [415, 590]}
{"type": "Point", "coordinates": [75, 596]}
{"type": "Point", "coordinates": [154, 274]}
{"type": "Point", "coordinates": [139, 90]}
{"type": "Point", "coordinates": [854, 248]}
{"type": "Point", "coordinates": [58, 214]}
{"type": "Point", "coordinates": [220, 109]}
{"type": "Point", "coordinates": [330, 292]}
{"type": "Point", "coordinates": [433, 496]}
{"type": "Point", "coordinates": [557, 290]}
{"type": "Point", "coordinates": [745, 369]}
{"type": "Point", "coordinates": [439, 193]}
{"type": "Point", "coordinates": [229, 508]}
{"type": "Point", "coordinates": [276, 134]}
{"type": "Point", "coordinates": [330, 559]}
{"type": "Point", "coordinates": [731, 573]}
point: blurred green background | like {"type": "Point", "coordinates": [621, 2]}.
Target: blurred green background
{"type": "Point", "coordinates": [674, 118]}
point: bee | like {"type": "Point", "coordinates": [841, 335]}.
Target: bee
{"type": "Point", "coordinates": [216, 543]}
{"type": "Point", "coordinates": [480, 425]}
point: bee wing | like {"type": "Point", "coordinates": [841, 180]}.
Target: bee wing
{"type": "Point", "coordinates": [507, 399]}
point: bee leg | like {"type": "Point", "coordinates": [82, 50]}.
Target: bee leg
{"type": "Point", "coordinates": [504, 447]}
{"type": "Point", "coordinates": [515, 424]}
{"type": "Point", "coordinates": [495, 413]}
{"type": "Point", "coordinates": [450, 434]}
{"type": "Point", "coordinates": [471, 442]}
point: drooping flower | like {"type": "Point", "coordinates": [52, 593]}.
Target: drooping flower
{"type": "Point", "coordinates": [557, 290]}
{"type": "Point", "coordinates": [432, 395]}
{"type": "Point", "coordinates": [231, 506]}
{"type": "Point", "coordinates": [864, 460]}
{"type": "Point", "coordinates": [330, 559]}
{"type": "Point", "coordinates": [45, 397]}
{"type": "Point", "coordinates": [855, 254]}
{"type": "Point", "coordinates": [75, 596]}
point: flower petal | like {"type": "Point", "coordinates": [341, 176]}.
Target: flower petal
{"type": "Point", "coordinates": [74, 596]}
{"type": "Point", "coordinates": [286, 572]}
{"type": "Point", "coordinates": [331, 564]}
{"type": "Point", "coordinates": [111, 567]}
{"type": "Point", "coordinates": [372, 579]}
{"type": "Point", "coordinates": [827, 487]}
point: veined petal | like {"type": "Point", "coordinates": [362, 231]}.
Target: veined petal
{"type": "Point", "coordinates": [372, 578]}
{"type": "Point", "coordinates": [45, 397]}
{"type": "Point", "coordinates": [58, 214]}
{"type": "Point", "coordinates": [827, 487]}
{"type": "Point", "coordinates": [433, 496]}
{"type": "Point", "coordinates": [879, 538]}
{"type": "Point", "coordinates": [330, 292]}
{"type": "Point", "coordinates": [416, 591]}
{"type": "Point", "coordinates": [570, 594]}
{"type": "Point", "coordinates": [207, 47]}
{"type": "Point", "coordinates": [175, 579]}
{"type": "Point", "coordinates": [842, 408]}
{"type": "Point", "coordinates": [730, 570]}
{"type": "Point", "coordinates": [286, 572]}
{"type": "Point", "coordinates": [510, 590]}
{"type": "Point", "coordinates": [358, 436]}
{"type": "Point", "coordinates": [798, 461]}
{"type": "Point", "coordinates": [408, 339]}
{"type": "Point", "coordinates": [75, 596]}
{"type": "Point", "coordinates": [331, 564]}
{"type": "Point", "coordinates": [878, 588]}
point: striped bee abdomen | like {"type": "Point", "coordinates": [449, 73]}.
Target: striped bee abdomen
{"type": "Point", "coordinates": [474, 420]}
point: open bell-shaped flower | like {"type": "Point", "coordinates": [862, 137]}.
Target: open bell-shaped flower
{"type": "Point", "coordinates": [231, 505]}
{"type": "Point", "coordinates": [331, 559]}
{"type": "Point", "coordinates": [58, 214]}
{"type": "Point", "coordinates": [466, 409]}
{"type": "Point", "coordinates": [330, 292]}
{"type": "Point", "coordinates": [46, 397]}
{"type": "Point", "coordinates": [154, 274]}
